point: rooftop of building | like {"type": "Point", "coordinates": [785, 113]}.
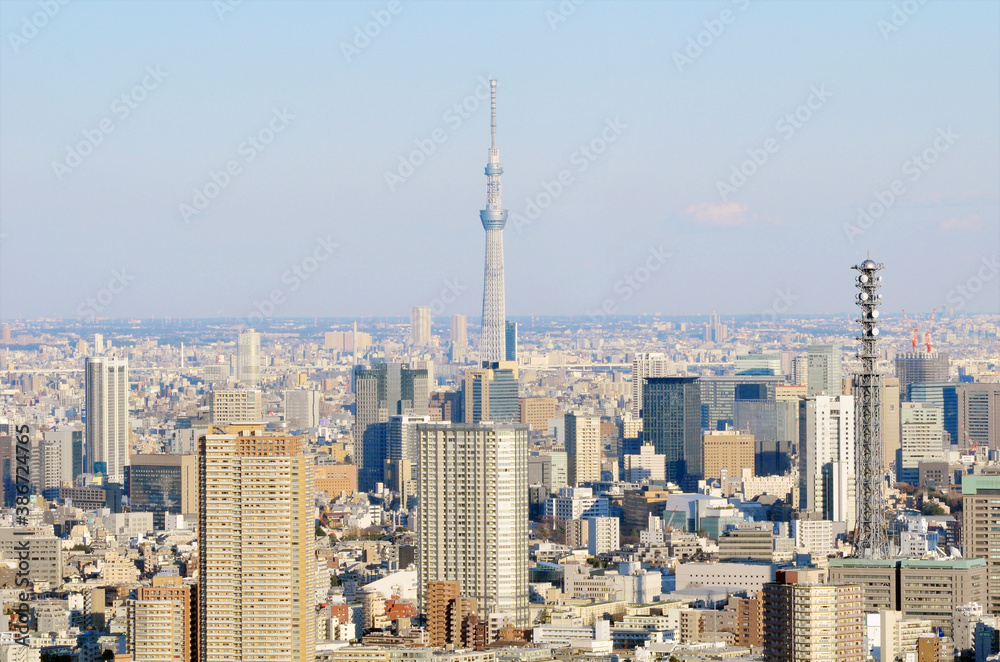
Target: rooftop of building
{"type": "Point", "coordinates": [954, 564]}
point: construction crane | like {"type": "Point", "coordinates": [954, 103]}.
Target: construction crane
{"type": "Point", "coordinates": [927, 334]}
{"type": "Point", "coordinates": [913, 329]}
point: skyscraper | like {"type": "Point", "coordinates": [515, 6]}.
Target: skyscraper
{"type": "Point", "coordinates": [827, 457]}
{"type": "Point", "coordinates": [980, 518]}
{"type": "Point", "coordinates": [420, 326]}
{"type": "Point", "coordinates": [511, 341]}
{"type": "Point", "coordinates": [72, 452]}
{"type": "Point", "coordinates": [256, 546]}
{"type": "Point", "coordinates": [920, 368]}
{"type": "Point", "coordinates": [646, 364]}
{"type": "Point", "coordinates": [107, 424]}
{"type": "Point", "coordinates": [161, 484]}
{"type": "Point", "coordinates": [383, 390]}
{"type": "Point", "coordinates": [944, 397]}
{"type": "Point", "coordinates": [583, 447]}
{"type": "Point", "coordinates": [824, 371]}
{"type": "Point", "coordinates": [459, 337]}
{"type": "Point", "coordinates": [491, 394]}
{"type": "Point", "coordinates": [715, 330]}
{"type": "Point", "coordinates": [493, 217]}
{"type": "Point", "coordinates": [759, 363]}
{"type": "Point", "coordinates": [671, 422]}
{"type": "Point", "coordinates": [473, 518]}
{"type": "Point", "coordinates": [979, 415]}
{"type": "Point", "coordinates": [302, 408]}
{"type": "Point", "coordinates": [921, 440]}
{"type": "Point", "coordinates": [248, 358]}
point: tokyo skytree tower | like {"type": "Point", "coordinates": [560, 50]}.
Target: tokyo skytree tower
{"type": "Point", "coordinates": [494, 217]}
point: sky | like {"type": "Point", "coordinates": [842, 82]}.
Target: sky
{"type": "Point", "coordinates": [225, 158]}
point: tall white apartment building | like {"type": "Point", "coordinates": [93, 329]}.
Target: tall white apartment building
{"type": "Point", "coordinates": [921, 438]}
{"type": "Point", "coordinates": [473, 521]}
{"type": "Point", "coordinates": [302, 408]}
{"type": "Point", "coordinates": [420, 326]}
{"type": "Point", "coordinates": [257, 546]}
{"type": "Point", "coordinates": [646, 364]}
{"type": "Point", "coordinates": [107, 426]}
{"type": "Point", "coordinates": [827, 457]}
{"type": "Point", "coordinates": [248, 358]}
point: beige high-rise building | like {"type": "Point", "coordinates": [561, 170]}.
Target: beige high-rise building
{"type": "Point", "coordinates": [828, 622]}
{"type": "Point", "coordinates": [473, 520]}
{"type": "Point", "coordinates": [583, 448]}
{"type": "Point", "coordinates": [420, 326]}
{"type": "Point", "coordinates": [163, 622]}
{"type": "Point", "coordinates": [257, 546]}
{"type": "Point", "coordinates": [536, 412]}
{"type": "Point", "coordinates": [728, 451]}
{"type": "Point", "coordinates": [234, 405]}
{"type": "Point", "coordinates": [343, 341]}
{"type": "Point", "coordinates": [459, 337]}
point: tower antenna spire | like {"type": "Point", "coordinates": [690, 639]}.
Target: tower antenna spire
{"type": "Point", "coordinates": [494, 218]}
{"type": "Point", "coordinates": [493, 114]}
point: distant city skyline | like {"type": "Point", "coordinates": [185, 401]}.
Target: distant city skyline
{"type": "Point", "coordinates": [660, 158]}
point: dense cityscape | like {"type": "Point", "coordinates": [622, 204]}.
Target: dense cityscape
{"type": "Point", "coordinates": [441, 486]}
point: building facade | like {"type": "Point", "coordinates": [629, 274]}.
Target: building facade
{"type": "Point", "coordinates": [583, 447]}
{"type": "Point", "coordinates": [672, 424]}
{"type": "Point", "coordinates": [248, 358]}
{"type": "Point", "coordinates": [257, 546]}
{"type": "Point", "coordinates": [107, 424]}
{"type": "Point", "coordinates": [827, 457]}
{"type": "Point", "coordinates": [473, 518]}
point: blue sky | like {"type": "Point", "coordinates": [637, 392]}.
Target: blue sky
{"type": "Point", "coordinates": [656, 222]}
